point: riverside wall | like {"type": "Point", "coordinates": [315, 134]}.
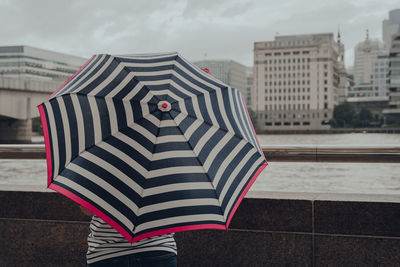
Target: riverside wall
{"type": "Point", "coordinates": [42, 228]}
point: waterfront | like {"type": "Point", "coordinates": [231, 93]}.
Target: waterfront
{"type": "Point", "coordinates": [377, 178]}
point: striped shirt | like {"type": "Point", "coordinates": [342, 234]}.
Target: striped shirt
{"type": "Point", "coordinates": [105, 242]}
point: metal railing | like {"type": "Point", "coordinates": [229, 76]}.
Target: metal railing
{"type": "Point", "coordinates": [299, 153]}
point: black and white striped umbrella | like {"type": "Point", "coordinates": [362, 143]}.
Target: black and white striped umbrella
{"type": "Point", "coordinates": [151, 144]}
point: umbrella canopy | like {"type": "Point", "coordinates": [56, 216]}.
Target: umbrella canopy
{"type": "Point", "coordinates": [151, 144]}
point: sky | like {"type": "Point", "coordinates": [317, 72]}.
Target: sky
{"type": "Point", "coordinates": [197, 29]}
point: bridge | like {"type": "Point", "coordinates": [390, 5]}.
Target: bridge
{"type": "Point", "coordinates": [18, 100]}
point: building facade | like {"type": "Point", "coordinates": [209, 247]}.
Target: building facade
{"type": "Point", "coordinates": [296, 81]}
{"type": "Point", "coordinates": [228, 71]}
{"type": "Point", "coordinates": [370, 69]}
{"type": "Point", "coordinates": [390, 27]}
{"type": "Point", "coordinates": [36, 63]}
{"type": "Point", "coordinates": [249, 86]}
{"type": "Point", "coordinates": [392, 114]}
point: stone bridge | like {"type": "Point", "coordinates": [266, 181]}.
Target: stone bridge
{"type": "Point", "coordinates": [18, 100]}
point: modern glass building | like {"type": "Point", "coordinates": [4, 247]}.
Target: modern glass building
{"type": "Point", "coordinates": [392, 114]}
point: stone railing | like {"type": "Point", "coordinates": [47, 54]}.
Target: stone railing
{"type": "Point", "coordinates": [302, 153]}
{"type": "Point", "coordinates": [41, 228]}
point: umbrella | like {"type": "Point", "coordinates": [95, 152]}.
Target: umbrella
{"type": "Point", "coordinates": [151, 144]}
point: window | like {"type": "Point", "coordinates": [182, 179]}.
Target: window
{"type": "Point", "coordinates": [277, 54]}
{"type": "Point", "coordinates": [286, 53]}
{"type": "Point", "coordinates": [267, 54]}
{"type": "Point", "coordinates": [306, 52]}
{"type": "Point", "coordinates": [277, 123]}
{"type": "Point", "coordinates": [325, 106]}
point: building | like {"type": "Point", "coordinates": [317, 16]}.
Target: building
{"type": "Point", "coordinates": [249, 87]}
{"type": "Point", "coordinates": [390, 26]}
{"type": "Point", "coordinates": [375, 104]}
{"type": "Point", "coordinates": [370, 69]}
{"type": "Point", "coordinates": [365, 54]}
{"type": "Point", "coordinates": [392, 114]}
{"type": "Point", "coordinates": [228, 71]}
{"type": "Point", "coordinates": [30, 62]}
{"type": "Point", "coordinates": [296, 81]}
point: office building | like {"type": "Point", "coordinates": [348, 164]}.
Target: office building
{"type": "Point", "coordinates": [370, 69]}
{"type": "Point", "coordinates": [249, 87]}
{"type": "Point", "coordinates": [228, 71]}
{"type": "Point", "coordinates": [390, 26]}
{"type": "Point", "coordinates": [392, 114]}
{"type": "Point", "coordinates": [30, 62]}
{"type": "Point", "coordinates": [296, 81]}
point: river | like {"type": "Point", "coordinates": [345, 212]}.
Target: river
{"type": "Point", "coordinates": [375, 178]}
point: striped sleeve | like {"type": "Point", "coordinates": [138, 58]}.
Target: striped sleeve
{"type": "Point", "coordinates": [104, 242]}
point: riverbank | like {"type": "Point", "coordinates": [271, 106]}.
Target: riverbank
{"type": "Point", "coordinates": [334, 131]}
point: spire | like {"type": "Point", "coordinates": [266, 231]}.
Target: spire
{"type": "Point", "coordinates": [338, 34]}
{"type": "Point", "coordinates": [367, 47]}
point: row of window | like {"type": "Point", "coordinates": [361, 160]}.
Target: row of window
{"type": "Point", "coordinates": [283, 83]}
{"type": "Point", "coordinates": [294, 116]}
{"type": "Point", "coordinates": [295, 123]}
{"type": "Point", "coordinates": [287, 123]}
{"type": "Point", "coordinates": [291, 106]}
{"type": "Point", "coordinates": [280, 98]}
{"type": "Point", "coordinates": [34, 72]}
{"type": "Point", "coordinates": [287, 53]}
{"type": "Point", "coordinates": [289, 60]}
{"type": "Point", "coordinates": [289, 90]}
{"type": "Point", "coordinates": [289, 75]}
{"type": "Point", "coordinates": [279, 68]}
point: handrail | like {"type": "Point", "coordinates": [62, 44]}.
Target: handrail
{"type": "Point", "coordinates": [292, 153]}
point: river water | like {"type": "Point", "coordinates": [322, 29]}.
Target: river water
{"type": "Point", "coordinates": [375, 178]}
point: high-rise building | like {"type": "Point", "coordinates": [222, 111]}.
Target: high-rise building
{"type": "Point", "coordinates": [370, 69]}
{"type": "Point", "coordinates": [228, 71]}
{"type": "Point", "coordinates": [30, 62]}
{"type": "Point", "coordinates": [392, 114]}
{"type": "Point", "coordinates": [296, 81]}
{"type": "Point", "coordinates": [390, 26]}
{"type": "Point", "coordinates": [365, 53]}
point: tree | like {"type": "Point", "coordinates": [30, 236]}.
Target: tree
{"type": "Point", "coordinates": [365, 117]}
{"type": "Point", "coordinates": [344, 115]}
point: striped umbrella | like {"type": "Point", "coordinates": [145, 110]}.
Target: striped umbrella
{"type": "Point", "coordinates": [151, 144]}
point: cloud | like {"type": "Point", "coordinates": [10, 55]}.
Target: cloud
{"type": "Point", "coordinates": [222, 29]}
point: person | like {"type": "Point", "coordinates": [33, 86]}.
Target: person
{"type": "Point", "coordinates": [107, 247]}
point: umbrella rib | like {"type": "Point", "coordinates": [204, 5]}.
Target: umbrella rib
{"type": "Point", "coordinates": [150, 162]}
{"type": "Point", "coordinates": [222, 129]}
{"type": "Point", "coordinates": [206, 173]}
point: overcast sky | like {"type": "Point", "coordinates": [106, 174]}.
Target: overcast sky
{"type": "Point", "coordinates": [215, 29]}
